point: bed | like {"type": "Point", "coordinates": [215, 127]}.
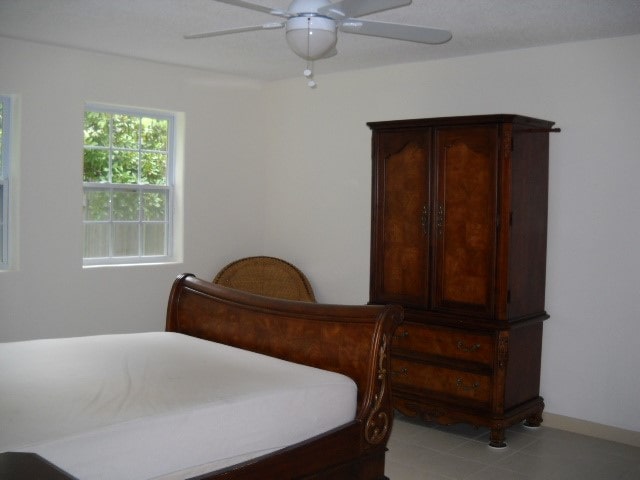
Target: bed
{"type": "Point", "coordinates": [285, 390]}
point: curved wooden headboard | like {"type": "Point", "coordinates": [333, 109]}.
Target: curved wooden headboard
{"type": "Point", "coordinates": [352, 340]}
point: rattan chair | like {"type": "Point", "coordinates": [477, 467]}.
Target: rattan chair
{"type": "Point", "coordinates": [268, 276]}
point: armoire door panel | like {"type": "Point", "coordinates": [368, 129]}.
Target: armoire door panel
{"type": "Point", "coordinates": [466, 218]}
{"type": "Point", "coordinates": [402, 224]}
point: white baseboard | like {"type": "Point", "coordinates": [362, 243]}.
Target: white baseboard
{"type": "Point", "coordinates": [592, 429]}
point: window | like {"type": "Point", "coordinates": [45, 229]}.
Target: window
{"type": "Point", "coordinates": [128, 186]}
{"type": "Point", "coordinates": [5, 126]}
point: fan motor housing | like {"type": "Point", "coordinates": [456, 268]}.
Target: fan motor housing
{"type": "Point", "coordinates": [311, 36]}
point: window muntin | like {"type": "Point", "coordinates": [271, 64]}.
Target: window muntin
{"type": "Point", "coordinates": [5, 129]}
{"type": "Point", "coordinates": [128, 186]}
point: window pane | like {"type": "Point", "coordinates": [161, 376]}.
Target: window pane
{"type": "Point", "coordinates": [1, 223]}
{"type": "Point", "coordinates": [5, 159]}
{"type": "Point", "coordinates": [96, 240]}
{"type": "Point", "coordinates": [155, 239]}
{"type": "Point", "coordinates": [97, 205]}
{"type": "Point", "coordinates": [129, 214]}
{"type": "Point", "coordinates": [125, 239]}
{"type": "Point", "coordinates": [96, 129]}
{"type": "Point", "coordinates": [126, 205]}
{"type": "Point", "coordinates": [126, 131]}
{"type": "Point", "coordinates": [154, 205]}
{"type": "Point", "coordinates": [96, 165]}
{"type": "Point", "coordinates": [153, 170]}
{"type": "Point", "coordinates": [125, 167]}
{"type": "Point", "coordinates": [1, 137]}
{"type": "Point", "coordinates": [155, 134]}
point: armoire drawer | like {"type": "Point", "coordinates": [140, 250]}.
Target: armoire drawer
{"type": "Point", "coordinates": [440, 380]}
{"type": "Point", "coordinates": [445, 342]}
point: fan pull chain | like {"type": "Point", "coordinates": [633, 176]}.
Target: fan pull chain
{"type": "Point", "coordinates": [308, 72]}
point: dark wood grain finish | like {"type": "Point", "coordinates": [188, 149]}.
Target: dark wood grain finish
{"type": "Point", "coordinates": [352, 340]}
{"type": "Point", "coordinates": [403, 192]}
{"type": "Point", "coordinates": [474, 275]}
{"type": "Point", "coordinates": [440, 380]}
{"type": "Point", "coordinates": [527, 249]}
{"type": "Point", "coordinates": [442, 342]}
{"type": "Point", "coordinates": [465, 218]}
{"type": "Point", "coordinates": [29, 466]}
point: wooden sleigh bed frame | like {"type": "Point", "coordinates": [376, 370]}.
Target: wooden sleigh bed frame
{"type": "Point", "coordinates": [352, 340]}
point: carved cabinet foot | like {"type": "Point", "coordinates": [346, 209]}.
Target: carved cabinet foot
{"type": "Point", "coordinates": [497, 437]}
{"type": "Point", "coordinates": [534, 420]}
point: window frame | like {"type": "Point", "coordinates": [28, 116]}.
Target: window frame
{"type": "Point", "coordinates": [5, 181]}
{"type": "Point", "coordinates": [170, 188]}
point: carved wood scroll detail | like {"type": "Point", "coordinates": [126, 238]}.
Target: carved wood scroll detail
{"type": "Point", "coordinates": [503, 350]}
{"type": "Point", "coordinates": [378, 421]}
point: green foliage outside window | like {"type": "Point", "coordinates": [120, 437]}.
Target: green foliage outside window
{"type": "Point", "coordinates": [1, 123]}
{"type": "Point", "coordinates": [2, 219]}
{"type": "Point", "coordinates": [4, 166]}
{"type": "Point", "coordinates": [126, 177]}
{"type": "Point", "coordinates": [125, 149]}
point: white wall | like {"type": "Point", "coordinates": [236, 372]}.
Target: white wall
{"type": "Point", "coordinates": [319, 194]}
{"type": "Point", "coordinates": [49, 294]}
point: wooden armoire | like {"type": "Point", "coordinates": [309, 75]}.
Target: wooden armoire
{"type": "Point", "coordinates": [459, 235]}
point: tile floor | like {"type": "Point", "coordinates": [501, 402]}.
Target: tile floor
{"type": "Point", "coordinates": [420, 452]}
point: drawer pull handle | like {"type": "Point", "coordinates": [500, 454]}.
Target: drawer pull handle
{"type": "Point", "coordinates": [467, 388]}
{"type": "Point", "coordinates": [473, 348]}
{"type": "Point", "coordinates": [401, 335]}
{"type": "Point", "coordinates": [403, 371]}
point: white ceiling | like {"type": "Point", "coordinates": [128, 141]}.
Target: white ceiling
{"type": "Point", "coordinates": [153, 29]}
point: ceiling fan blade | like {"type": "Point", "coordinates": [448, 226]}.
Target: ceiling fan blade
{"type": "Point", "coordinates": [266, 26]}
{"type": "Point", "coordinates": [359, 8]}
{"type": "Point", "coordinates": [397, 31]}
{"type": "Point", "coordinates": [278, 12]}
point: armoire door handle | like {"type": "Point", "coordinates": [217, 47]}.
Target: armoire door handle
{"type": "Point", "coordinates": [440, 219]}
{"type": "Point", "coordinates": [424, 220]}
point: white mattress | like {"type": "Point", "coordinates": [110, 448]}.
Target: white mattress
{"type": "Point", "coordinates": [159, 405]}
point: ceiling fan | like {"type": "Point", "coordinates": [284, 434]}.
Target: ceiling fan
{"type": "Point", "coordinates": [312, 25]}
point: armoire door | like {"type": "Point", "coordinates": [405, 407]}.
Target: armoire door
{"type": "Point", "coordinates": [465, 222]}
{"type": "Point", "coordinates": [401, 217]}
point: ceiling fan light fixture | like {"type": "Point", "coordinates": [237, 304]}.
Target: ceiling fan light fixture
{"type": "Point", "coordinates": [311, 36]}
